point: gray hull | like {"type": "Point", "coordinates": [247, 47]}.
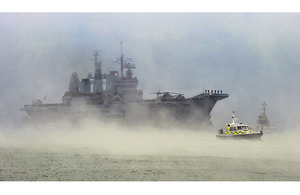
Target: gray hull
{"type": "Point", "coordinates": [191, 110]}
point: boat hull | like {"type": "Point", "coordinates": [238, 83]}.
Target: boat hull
{"type": "Point", "coordinates": [256, 135]}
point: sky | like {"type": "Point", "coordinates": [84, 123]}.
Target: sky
{"type": "Point", "coordinates": [254, 57]}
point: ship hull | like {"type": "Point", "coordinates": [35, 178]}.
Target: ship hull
{"type": "Point", "coordinates": [194, 110]}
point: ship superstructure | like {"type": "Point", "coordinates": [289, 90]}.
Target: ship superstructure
{"type": "Point", "coordinates": [120, 98]}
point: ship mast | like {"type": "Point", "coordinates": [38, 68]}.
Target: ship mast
{"type": "Point", "coordinates": [98, 85]}
{"type": "Point", "coordinates": [96, 55]}
{"type": "Point", "coordinates": [264, 108]}
{"type": "Point", "coordinates": [121, 59]}
{"type": "Point", "coordinates": [127, 64]}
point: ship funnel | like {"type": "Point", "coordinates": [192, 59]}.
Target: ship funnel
{"type": "Point", "coordinates": [74, 83]}
{"type": "Point", "coordinates": [98, 84]}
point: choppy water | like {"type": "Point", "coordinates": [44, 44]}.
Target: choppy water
{"type": "Point", "coordinates": [147, 155]}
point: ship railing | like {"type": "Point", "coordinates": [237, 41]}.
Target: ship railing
{"type": "Point", "coordinates": [164, 100]}
{"type": "Point", "coordinates": [207, 91]}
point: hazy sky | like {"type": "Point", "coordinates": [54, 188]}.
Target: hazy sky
{"type": "Point", "coordinates": [252, 56]}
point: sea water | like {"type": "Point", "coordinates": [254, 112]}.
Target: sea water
{"type": "Point", "coordinates": [98, 152]}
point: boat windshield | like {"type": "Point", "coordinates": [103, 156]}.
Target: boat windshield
{"type": "Point", "coordinates": [242, 127]}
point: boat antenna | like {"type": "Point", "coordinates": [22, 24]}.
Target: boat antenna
{"type": "Point", "coordinates": [233, 117]}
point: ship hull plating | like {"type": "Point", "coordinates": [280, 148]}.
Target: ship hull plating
{"type": "Point", "coordinates": [188, 111]}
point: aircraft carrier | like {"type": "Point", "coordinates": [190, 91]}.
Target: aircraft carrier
{"type": "Point", "coordinates": [114, 96]}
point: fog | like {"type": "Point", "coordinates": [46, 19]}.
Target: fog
{"type": "Point", "coordinates": [106, 151]}
{"type": "Point", "coordinates": [252, 56]}
{"type": "Point", "coordinates": [111, 138]}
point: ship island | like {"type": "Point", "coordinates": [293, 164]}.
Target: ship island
{"type": "Point", "coordinates": [115, 96]}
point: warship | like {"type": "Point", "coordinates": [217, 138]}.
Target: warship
{"type": "Point", "coordinates": [115, 96]}
{"type": "Point", "coordinates": [263, 121]}
{"type": "Point", "coordinates": [262, 118]}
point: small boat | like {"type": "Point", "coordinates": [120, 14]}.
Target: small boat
{"type": "Point", "coordinates": [238, 130]}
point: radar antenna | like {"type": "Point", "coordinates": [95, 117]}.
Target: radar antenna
{"type": "Point", "coordinates": [125, 63]}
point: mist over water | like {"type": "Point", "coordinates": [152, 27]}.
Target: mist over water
{"type": "Point", "coordinates": [94, 150]}
{"type": "Point", "coordinates": [112, 138]}
{"type": "Point", "coordinates": [253, 57]}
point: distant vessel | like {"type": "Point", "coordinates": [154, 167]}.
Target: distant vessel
{"type": "Point", "coordinates": [115, 96]}
{"type": "Point", "coordinates": [263, 121]}
{"type": "Point", "coordinates": [262, 118]}
{"type": "Point", "coordinates": [238, 130]}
